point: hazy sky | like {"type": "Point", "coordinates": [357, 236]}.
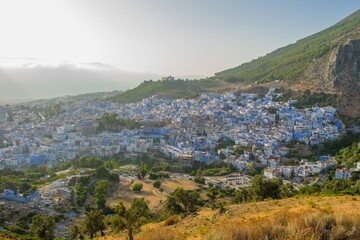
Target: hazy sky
{"type": "Point", "coordinates": [177, 37]}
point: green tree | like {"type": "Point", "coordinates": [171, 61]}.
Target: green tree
{"type": "Point", "coordinates": [292, 174]}
{"type": "Point", "coordinates": [74, 232]}
{"type": "Point", "coordinates": [2, 215]}
{"type": "Point", "coordinates": [243, 195]}
{"type": "Point", "coordinates": [43, 227]}
{"type": "Point", "coordinates": [142, 171]}
{"type": "Point", "coordinates": [287, 190]}
{"type": "Point", "coordinates": [336, 186]}
{"type": "Point", "coordinates": [239, 149]}
{"type": "Point", "coordinates": [137, 187]}
{"type": "Point", "coordinates": [263, 189]}
{"type": "Point", "coordinates": [24, 187]}
{"type": "Point", "coordinates": [309, 190]}
{"type": "Point", "coordinates": [182, 201]}
{"type": "Point", "coordinates": [157, 184]}
{"type": "Point", "coordinates": [132, 218]}
{"type": "Point", "coordinates": [101, 191]}
{"type": "Point", "coordinates": [212, 194]}
{"type": "Point", "coordinates": [94, 223]}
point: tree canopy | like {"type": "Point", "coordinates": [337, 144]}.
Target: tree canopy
{"type": "Point", "coordinates": [94, 223]}
{"type": "Point", "coordinates": [43, 227]}
{"type": "Point", "coordinates": [131, 218]}
{"type": "Point", "coordinates": [183, 201]}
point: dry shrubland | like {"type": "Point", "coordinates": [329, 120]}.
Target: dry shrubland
{"type": "Point", "coordinates": [317, 225]}
{"type": "Point", "coordinates": [300, 218]}
{"type": "Point", "coordinates": [160, 234]}
{"type": "Point", "coordinates": [172, 220]}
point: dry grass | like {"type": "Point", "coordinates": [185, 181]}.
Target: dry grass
{"type": "Point", "coordinates": [172, 220]}
{"type": "Point", "coordinates": [268, 218]}
{"type": "Point", "coordinates": [316, 225]}
{"type": "Point", "coordinates": [10, 236]}
{"type": "Point", "coordinates": [160, 234]}
{"type": "Point", "coordinates": [152, 195]}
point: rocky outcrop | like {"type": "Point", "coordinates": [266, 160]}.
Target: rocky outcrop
{"type": "Point", "coordinates": [343, 72]}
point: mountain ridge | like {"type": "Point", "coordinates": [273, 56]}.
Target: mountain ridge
{"type": "Point", "coordinates": [307, 48]}
{"type": "Point", "coordinates": [311, 63]}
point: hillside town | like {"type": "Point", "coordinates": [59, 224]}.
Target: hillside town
{"type": "Point", "coordinates": [244, 129]}
{"type": "Point", "coordinates": [191, 130]}
{"type": "Point", "coordinates": [180, 120]}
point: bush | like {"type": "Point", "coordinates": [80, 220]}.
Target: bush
{"type": "Point", "coordinates": [172, 220]}
{"type": "Point", "coordinates": [157, 184]}
{"type": "Point", "coordinates": [199, 180]}
{"type": "Point", "coordinates": [137, 187]}
{"type": "Point", "coordinates": [157, 175]}
{"type": "Point", "coordinates": [182, 201]}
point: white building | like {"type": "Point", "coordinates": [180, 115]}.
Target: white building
{"type": "Point", "coordinates": [342, 173]}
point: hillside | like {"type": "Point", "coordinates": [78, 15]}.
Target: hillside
{"type": "Point", "coordinates": [170, 89]}
{"type": "Point", "coordinates": [328, 61]}
{"type": "Point", "coordinates": [12, 236]}
{"type": "Point", "coordinates": [297, 217]}
{"type": "Point", "coordinates": [292, 61]}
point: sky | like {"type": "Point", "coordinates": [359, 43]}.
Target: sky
{"type": "Point", "coordinates": [166, 37]}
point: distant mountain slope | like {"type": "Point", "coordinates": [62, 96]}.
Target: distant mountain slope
{"type": "Point", "coordinates": [327, 61]}
{"type": "Point", "coordinates": [33, 79]}
{"type": "Point", "coordinates": [171, 89]}
{"type": "Point", "coordinates": [292, 61]}
{"type": "Point", "coordinates": [164, 88]}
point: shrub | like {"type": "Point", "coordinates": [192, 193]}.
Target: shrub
{"type": "Point", "coordinates": [199, 180]}
{"type": "Point", "coordinates": [312, 204]}
{"type": "Point", "coordinates": [172, 220]}
{"type": "Point", "coordinates": [157, 184]}
{"type": "Point", "coordinates": [157, 175]}
{"type": "Point", "coordinates": [137, 187]}
{"type": "Point", "coordinates": [183, 201]}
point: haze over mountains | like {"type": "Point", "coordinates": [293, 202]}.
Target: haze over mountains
{"type": "Point", "coordinates": [327, 61]}
{"type": "Point", "coordinates": [23, 79]}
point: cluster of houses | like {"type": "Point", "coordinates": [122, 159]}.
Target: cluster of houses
{"type": "Point", "coordinates": [244, 129]}
{"type": "Point", "coordinates": [11, 195]}
{"type": "Point", "coordinates": [302, 170]}
{"type": "Point", "coordinates": [345, 173]}
{"type": "Point", "coordinates": [194, 128]}
{"type": "Point", "coordinates": [50, 199]}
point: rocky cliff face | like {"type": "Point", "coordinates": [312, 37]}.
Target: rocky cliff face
{"type": "Point", "coordinates": [343, 73]}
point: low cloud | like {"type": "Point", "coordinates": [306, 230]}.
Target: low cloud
{"type": "Point", "coordinates": [34, 78]}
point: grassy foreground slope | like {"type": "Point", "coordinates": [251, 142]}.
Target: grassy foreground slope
{"type": "Point", "coordinates": [290, 62]}
{"type": "Point", "coordinates": [302, 218]}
